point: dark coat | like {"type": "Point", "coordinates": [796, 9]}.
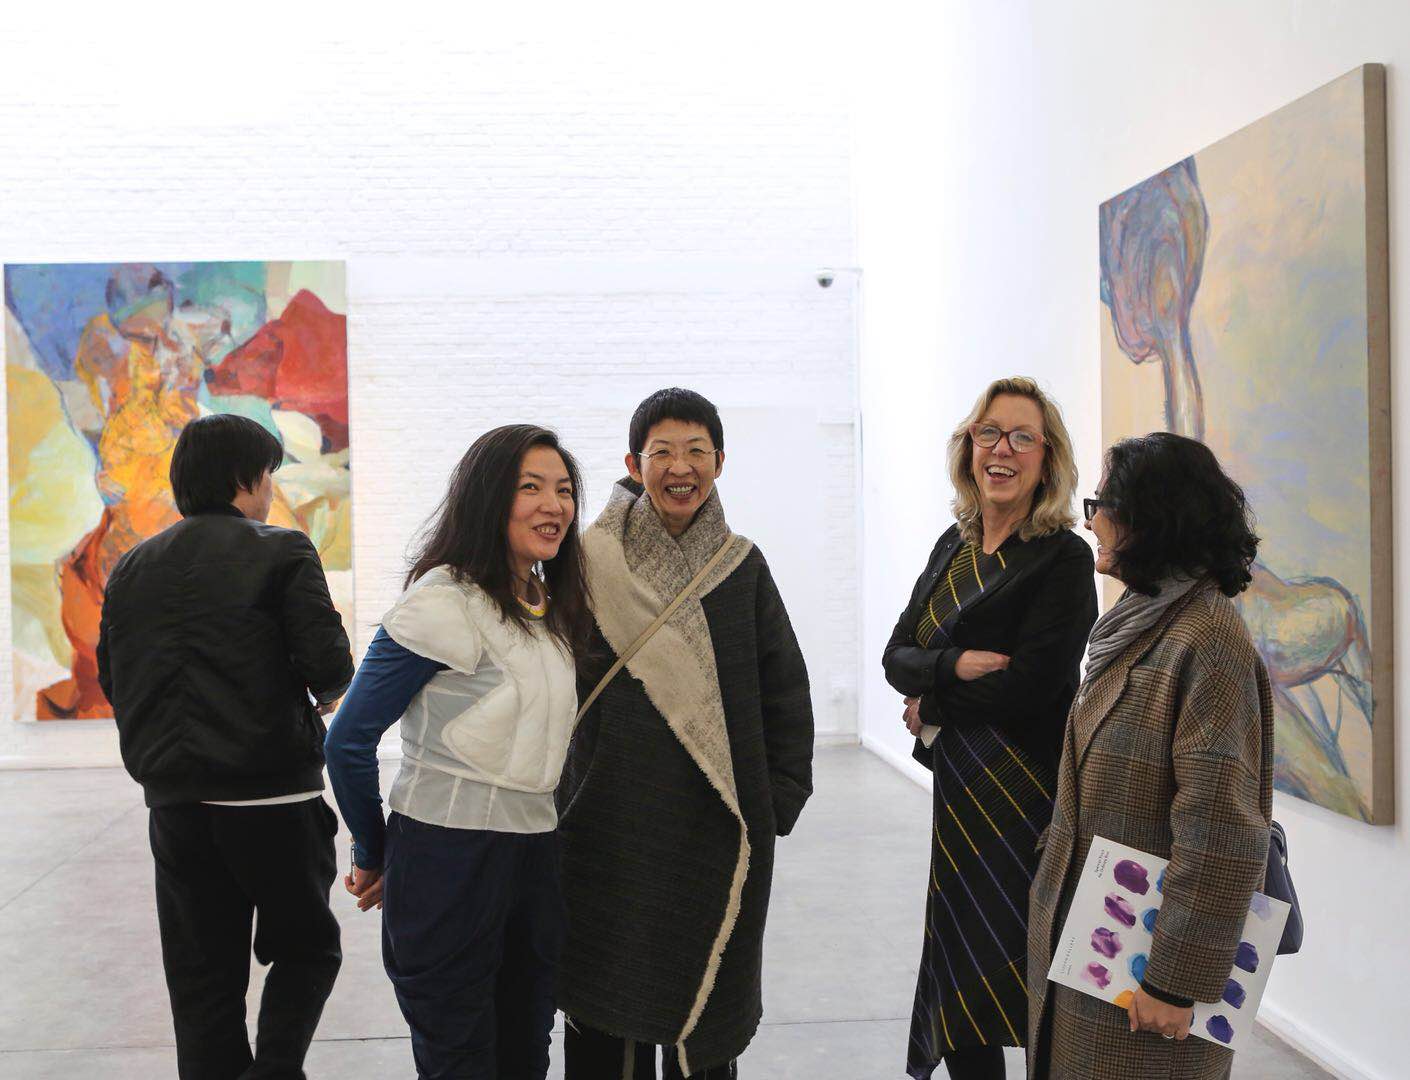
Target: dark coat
{"type": "Point", "coordinates": [666, 884]}
{"type": "Point", "coordinates": [1169, 750]}
{"type": "Point", "coordinates": [1039, 614]}
{"type": "Point", "coordinates": [213, 634]}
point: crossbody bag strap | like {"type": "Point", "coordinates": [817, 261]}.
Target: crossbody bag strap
{"type": "Point", "coordinates": [659, 622]}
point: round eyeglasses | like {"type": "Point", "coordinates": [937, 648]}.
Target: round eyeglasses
{"type": "Point", "coordinates": [1021, 440]}
{"type": "Point", "coordinates": [695, 457]}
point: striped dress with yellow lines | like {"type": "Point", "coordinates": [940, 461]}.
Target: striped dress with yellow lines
{"type": "Point", "coordinates": [991, 800]}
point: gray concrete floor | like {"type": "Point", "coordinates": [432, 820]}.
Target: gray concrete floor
{"type": "Point", "coordinates": [81, 990]}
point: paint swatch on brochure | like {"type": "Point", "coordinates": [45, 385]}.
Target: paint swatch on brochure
{"type": "Point", "coordinates": [1105, 947]}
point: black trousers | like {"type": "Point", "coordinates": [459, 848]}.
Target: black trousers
{"type": "Point", "coordinates": [222, 870]}
{"type": "Point", "coordinates": [472, 930]}
{"type": "Point", "coordinates": [589, 1054]}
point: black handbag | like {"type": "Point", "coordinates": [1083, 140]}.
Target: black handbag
{"type": "Point", "coordinates": [1278, 884]}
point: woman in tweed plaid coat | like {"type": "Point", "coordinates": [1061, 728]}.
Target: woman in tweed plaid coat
{"type": "Point", "coordinates": [1168, 749]}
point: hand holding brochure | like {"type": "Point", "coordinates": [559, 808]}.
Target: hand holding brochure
{"type": "Point", "coordinates": [1105, 945]}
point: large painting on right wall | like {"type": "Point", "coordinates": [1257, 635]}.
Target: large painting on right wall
{"type": "Point", "coordinates": [1245, 302]}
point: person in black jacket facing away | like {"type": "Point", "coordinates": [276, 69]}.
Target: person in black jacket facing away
{"type": "Point", "coordinates": [219, 648]}
{"type": "Point", "coordinates": [987, 654]}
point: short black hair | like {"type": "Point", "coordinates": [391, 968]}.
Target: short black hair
{"type": "Point", "coordinates": [674, 403]}
{"type": "Point", "coordinates": [1182, 513]}
{"type": "Point", "coordinates": [218, 455]}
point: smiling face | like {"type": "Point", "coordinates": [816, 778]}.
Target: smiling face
{"type": "Point", "coordinates": [542, 509]}
{"type": "Point", "coordinates": [1109, 533]}
{"type": "Point", "coordinates": [678, 466]}
{"type": "Point", "coordinates": [1006, 480]}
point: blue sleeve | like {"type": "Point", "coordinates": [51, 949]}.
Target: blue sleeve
{"type": "Point", "coordinates": [389, 677]}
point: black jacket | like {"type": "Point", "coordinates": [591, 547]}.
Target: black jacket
{"type": "Point", "coordinates": [213, 634]}
{"type": "Point", "coordinates": [1038, 614]}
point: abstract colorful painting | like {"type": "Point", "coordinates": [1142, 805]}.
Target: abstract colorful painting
{"type": "Point", "coordinates": [1245, 302]}
{"type": "Point", "coordinates": [104, 365]}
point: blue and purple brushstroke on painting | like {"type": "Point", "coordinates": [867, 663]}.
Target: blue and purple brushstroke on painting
{"type": "Point", "coordinates": [1246, 957]}
{"type": "Point", "coordinates": [1119, 909]}
{"type": "Point", "coordinates": [1148, 918]}
{"type": "Point", "coordinates": [1220, 1028]}
{"type": "Point", "coordinates": [1130, 874]}
{"type": "Point", "coordinates": [1097, 975]}
{"type": "Point", "coordinates": [1107, 942]}
{"type": "Point", "coordinates": [1234, 994]}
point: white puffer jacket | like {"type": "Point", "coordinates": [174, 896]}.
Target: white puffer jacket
{"type": "Point", "coordinates": [484, 741]}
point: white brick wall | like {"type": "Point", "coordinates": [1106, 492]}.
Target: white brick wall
{"type": "Point", "coordinates": [533, 232]}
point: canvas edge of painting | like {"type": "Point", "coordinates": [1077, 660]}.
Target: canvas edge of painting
{"type": "Point", "coordinates": [1381, 428]}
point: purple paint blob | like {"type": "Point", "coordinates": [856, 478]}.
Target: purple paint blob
{"type": "Point", "coordinates": [1120, 910]}
{"type": "Point", "coordinates": [1160, 881]}
{"type": "Point", "coordinates": [1246, 958]}
{"type": "Point", "coordinates": [1148, 919]}
{"type": "Point", "coordinates": [1107, 942]}
{"type": "Point", "coordinates": [1137, 966]}
{"type": "Point", "coordinates": [1234, 994]}
{"type": "Point", "coordinates": [1130, 874]}
{"type": "Point", "coordinates": [1097, 975]}
{"type": "Point", "coordinates": [1220, 1028]}
{"type": "Point", "coordinates": [1260, 906]}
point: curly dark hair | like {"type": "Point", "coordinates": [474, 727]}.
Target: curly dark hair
{"type": "Point", "coordinates": [1181, 512]}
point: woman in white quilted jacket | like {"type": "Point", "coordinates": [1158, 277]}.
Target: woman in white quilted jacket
{"type": "Point", "coordinates": [476, 659]}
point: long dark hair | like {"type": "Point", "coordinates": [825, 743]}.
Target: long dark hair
{"type": "Point", "coordinates": [466, 534]}
{"type": "Point", "coordinates": [1182, 512]}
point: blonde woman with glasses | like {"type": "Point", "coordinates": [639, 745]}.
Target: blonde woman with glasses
{"type": "Point", "coordinates": [987, 654]}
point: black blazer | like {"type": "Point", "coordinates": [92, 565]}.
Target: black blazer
{"type": "Point", "coordinates": [1038, 614]}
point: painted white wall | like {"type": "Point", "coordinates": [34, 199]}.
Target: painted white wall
{"type": "Point", "coordinates": [543, 221]}
{"type": "Point", "coordinates": [987, 138]}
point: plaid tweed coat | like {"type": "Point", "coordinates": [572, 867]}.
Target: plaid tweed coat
{"type": "Point", "coordinates": [1169, 750]}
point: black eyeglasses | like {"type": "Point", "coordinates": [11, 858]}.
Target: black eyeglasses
{"type": "Point", "coordinates": [1091, 506]}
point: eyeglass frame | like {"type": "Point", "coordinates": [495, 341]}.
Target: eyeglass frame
{"type": "Point", "coordinates": [1091, 506]}
{"type": "Point", "coordinates": [642, 455]}
{"type": "Point", "coordinates": [1004, 434]}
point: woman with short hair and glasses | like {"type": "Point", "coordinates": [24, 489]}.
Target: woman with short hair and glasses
{"type": "Point", "coordinates": [693, 755]}
{"type": "Point", "coordinates": [987, 654]}
{"type": "Point", "coordinates": [1169, 750]}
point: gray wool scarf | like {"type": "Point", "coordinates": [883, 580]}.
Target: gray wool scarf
{"type": "Point", "coordinates": [1129, 618]}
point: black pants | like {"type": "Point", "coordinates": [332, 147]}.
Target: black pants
{"type": "Point", "coordinates": [472, 929]}
{"type": "Point", "coordinates": [220, 870]}
{"type": "Point", "coordinates": [589, 1054]}
{"type": "Point", "coordinates": [975, 1063]}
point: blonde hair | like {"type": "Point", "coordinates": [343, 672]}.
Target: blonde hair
{"type": "Point", "coordinates": [1052, 500]}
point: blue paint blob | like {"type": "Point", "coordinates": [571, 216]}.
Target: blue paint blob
{"type": "Point", "coordinates": [1246, 958]}
{"type": "Point", "coordinates": [1148, 919]}
{"type": "Point", "coordinates": [1160, 882]}
{"type": "Point", "coordinates": [1137, 966]}
{"type": "Point", "coordinates": [1234, 994]}
{"type": "Point", "coordinates": [1220, 1028]}
{"type": "Point", "coordinates": [1260, 906]}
